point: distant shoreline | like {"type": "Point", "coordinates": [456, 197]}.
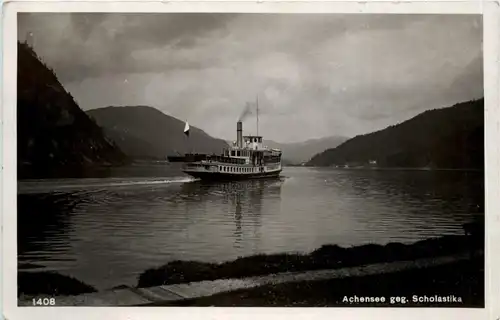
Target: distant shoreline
{"type": "Point", "coordinates": [395, 168]}
{"type": "Point", "coordinates": [383, 168]}
{"type": "Point", "coordinates": [88, 171]}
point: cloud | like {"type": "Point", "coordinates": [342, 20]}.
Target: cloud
{"type": "Point", "coordinates": [316, 74]}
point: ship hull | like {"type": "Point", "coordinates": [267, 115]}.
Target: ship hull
{"type": "Point", "coordinates": [221, 176]}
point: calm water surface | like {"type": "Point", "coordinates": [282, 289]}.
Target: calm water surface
{"type": "Point", "coordinates": [106, 231]}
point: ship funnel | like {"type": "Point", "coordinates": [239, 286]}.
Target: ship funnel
{"type": "Point", "coordinates": [239, 134]}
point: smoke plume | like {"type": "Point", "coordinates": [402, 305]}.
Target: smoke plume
{"type": "Point", "coordinates": [248, 110]}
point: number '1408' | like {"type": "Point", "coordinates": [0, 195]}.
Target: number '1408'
{"type": "Point", "coordinates": [44, 302]}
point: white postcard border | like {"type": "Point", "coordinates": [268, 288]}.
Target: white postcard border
{"type": "Point", "coordinates": [491, 32]}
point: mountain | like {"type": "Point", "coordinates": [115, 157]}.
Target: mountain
{"type": "Point", "coordinates": [300, 152]}
{"type": "Point", "coordinates": [450, 137]}
{"type": "Point", "coordinates": [53, 133]}
{"type": "Point", "coordinates": [144, 132]}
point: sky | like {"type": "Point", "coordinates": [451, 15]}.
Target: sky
{"type": "Point", "coordinates": [315, 75]}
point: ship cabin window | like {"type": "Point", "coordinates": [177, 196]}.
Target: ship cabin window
{"type": "Point", "coordinates": [237, 153]}
{"type": "Point", "coordinates": [232, 153]}
{"type": "Point", "coordinates": [260, 140]}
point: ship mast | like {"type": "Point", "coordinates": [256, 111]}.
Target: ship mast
{"type": "Point", "coordinates": [257, 115]}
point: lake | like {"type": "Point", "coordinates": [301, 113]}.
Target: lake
{"type": "Point", "coordinates": [106, 230]}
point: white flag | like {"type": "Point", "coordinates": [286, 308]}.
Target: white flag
{"type": "Point", "coordinates": [186, 129]}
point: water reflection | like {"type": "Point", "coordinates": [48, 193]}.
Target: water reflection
{"type": "Point", "coordinates": [415, 202]}
{"type": "Point", "coordinates": [237, 220]}
{"type": "Point", "coordinates": [244, 200]}
{"type": "Point", "coordinates": [463, 191]}
{"type": "Point", "coordinates": [43, 222]}
{"type": "Point", "coordinates": [107, 231]}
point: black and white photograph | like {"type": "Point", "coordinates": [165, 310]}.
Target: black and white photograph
{"type": "Point", "coordinates": [250, 160]}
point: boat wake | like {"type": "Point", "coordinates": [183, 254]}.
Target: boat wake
{"type": "Point", "coordinates": [44, 186]}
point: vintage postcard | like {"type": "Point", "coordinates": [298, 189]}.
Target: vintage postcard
{"type": "Point", "coordinates": [330, 159]}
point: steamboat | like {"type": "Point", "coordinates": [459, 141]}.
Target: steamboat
{"type": "Point", "coordinates": [246, 158]}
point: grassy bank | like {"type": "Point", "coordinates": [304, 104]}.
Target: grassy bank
{"type": "Point", "coordinates": [49, 283]}
{"type": "Point", "coordinates": [459, 284]}
{"type": "Point", "coordinates": [326, 257]}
